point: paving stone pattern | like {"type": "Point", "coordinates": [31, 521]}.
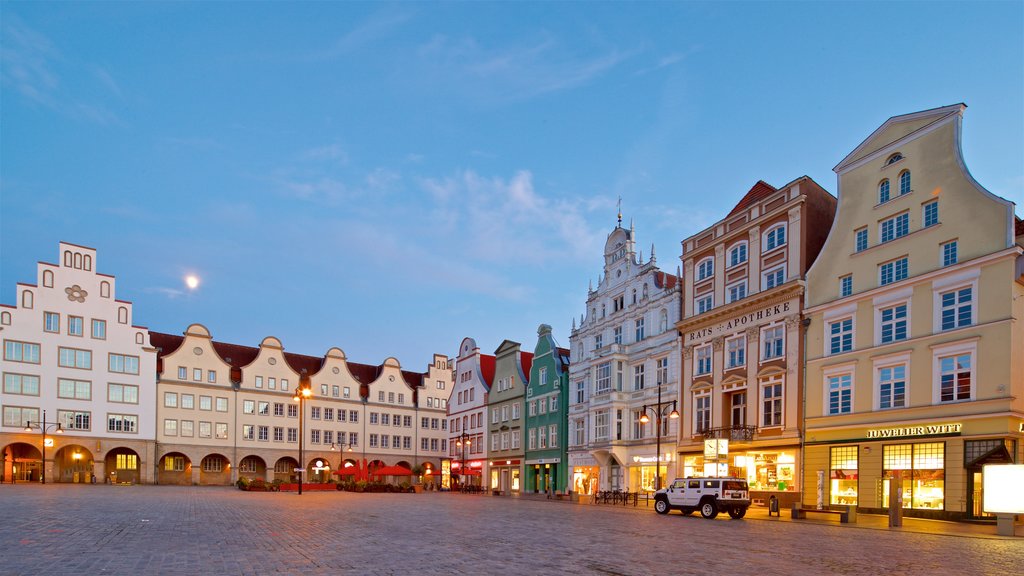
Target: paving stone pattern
{"type": "Point", "coordinates": [88, 530]}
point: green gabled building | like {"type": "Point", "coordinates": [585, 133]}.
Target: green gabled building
{"type": "Point", "coordinates": [547, 407]}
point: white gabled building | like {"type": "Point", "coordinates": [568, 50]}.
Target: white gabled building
{"type": "Point", "coordinates": [624, 352]}
{"type": "Point", "coordinates": [467, 414]}
{"type": "Point", "coordinates": [73, 357]}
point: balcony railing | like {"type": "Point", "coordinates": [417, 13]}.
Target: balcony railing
{"type": "Point", "coordinates": [736, 433]}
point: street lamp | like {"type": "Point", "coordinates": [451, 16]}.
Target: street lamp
{"type": "Point", "coordinates": [463, 440]}
{"type": "Point", "coordinates": [43, 427]}
{"type": "Point", "coordinates": [302, 393]}
{"type": "Point", "coordinates": [659, 413]}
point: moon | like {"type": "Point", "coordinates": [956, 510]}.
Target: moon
{"type": "Point", "coordinates": [192, 281]}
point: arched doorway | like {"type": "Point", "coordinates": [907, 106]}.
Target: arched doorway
{"type": "Point", "coordinates": [349, 469]}
{"type": "Point", "coordinates": [431, 476]}
{"type": "Point", "coordinates": [252, 467]}
{"type": "Point", "coordinates": [215, 469]}
{"type": "Point", "coordinates": [122, 465]}
{"type": "Point", "coordinates": [175, 468]}
{"type": "Point", "coordinates": [284, 469]}
{"type": "Point", "coordinates": [318, 471]}
{"type": "Point", "coordinates": [73, 463]}
{"type": "Point", "coordinates": [21, 462]}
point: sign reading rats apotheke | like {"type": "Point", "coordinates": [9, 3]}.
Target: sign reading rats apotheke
{"type": "Point", "coordinates": [740, 321]}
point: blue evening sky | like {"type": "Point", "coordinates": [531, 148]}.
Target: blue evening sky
{"type": "Point", "coordinates": [389, 178]}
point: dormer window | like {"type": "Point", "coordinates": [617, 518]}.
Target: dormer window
{"type": "Point", "coordinates": [705, 269]}
{"type": "Point", "coordinates": [894, 159]}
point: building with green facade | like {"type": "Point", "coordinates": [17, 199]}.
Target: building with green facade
{"type": "Point", "coordinates": [505, 417]}
{"type": "Point", "coordinates": [547, 406]}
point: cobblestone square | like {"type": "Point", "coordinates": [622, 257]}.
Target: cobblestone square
{"type": "Point", "coordinates": [61, 529]}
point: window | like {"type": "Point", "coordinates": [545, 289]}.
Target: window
{"type": "Point", "coordinates": [774, 238]}
{"type": "Point", "coordinates": [893, 323]}
{"type": "Point", "coordinates": [931, 213]}
{"type": "Point", "coordinates": [543, 373]}
{"type": "Point", "coordinates": [314, 413]}
{"type": "Point", "coordinates": [328, 413]}
{"type": "Point", "coordinates": [553, 435]}
{"type": "Point", "coordinates": [895, 227]}
{"type": "Point", "coordinates": [703, 356]}
{"type": "Point", "coordinates": [774, 340]}
{"type": "Point", "coordinates": [736, 352]}
{"type": "Point", "coordinates": [205, 430]}
{"type": "Point", "coordinates": [956, 308]}
{"type": "Point", "coordinates": [99, 329]}
{"type": "Point", "coordinates": [127, 364]}
{"type": "Point", "coordinates": [170, 400]}
{"type": "Point", "coordinates": [182, 373]}
{"type": "Point", "coordinates": [126, 462]}
{"type": "Point", "coordinates": [542, 407]}
{"type": "Point", "coordinates": [738, 254]}
{"type": "Point", "coordinates": [74, 389]}
{"type": "Point", "coordinates": [949, 253]}
{"type": "Point", "coordinates": [773, 278]}
{"type": "Point", "coordinates": [905, 182]}
{"type": "Point", "coordinates": [51, 322]}
{"type": "Point", "coordinates": [553, 403]}
{"type": "Point", "coordinates": [617, 335]}
{"type": "Point", "coordinates": [170, 427]}
{"type": "Point", "coordinates": [16, 416]}
{"type": "Point", "coordinates": [314, 436]}
{"type": "Point", "coordinates": [76, 325]}
{"type": "Point", "coordinates": [705, 269]}
{"type": "Point", "coordinates": [639, 329]}
{"type": "Point", "coordinates": [25, 384]}
{"type": "Point", "coordinates": [738, 409]}
{"type": "Point", "coordinates": [579, 432]}
{"type": "Point", "coordinates": [894, 159]}
{"type": "Point", "coordinates": [771, 400]}
{"type": "Point", "coordinates": [187, 428]}
{"type": "Point", "coordinates": [532, 439]}
{"type": "Point", "coordinates": [188, 401]}
{"type": "Point", "coordinates": [893, 271]}
{"type": "Point", "coordinates": [862, 239]}
{"type": "Point", "coordinates": [738, 291]}
{"type": "Point", "coordinates": [213, 464]}
{"type": "Point", "coordinates": [205, 403]}
{"type": "Point", "coordinates": [21, 351]}
{"type": "Point", "coordinates": [923, 467]}
{"type": "Point", "coordinates": [843, 475]}
{"type": "Point", "coordinates": [705, 303]}
{"type": "Point", "coordinates": [222, 405]}
{"type": "Point", "coordinates": [845, 286]}
{"type": "Point", "coordinates": [892, 386]}
{"type": "Point", "coordinates": [600, 425]}
{"type": "Point", "coordinates": [74, 419]}
{"type": "Point", "coordinates": [293, 435]}
{"type": "Point", "coordinates": [883, 191]}
{"type": "Point", "coordinates": [123, 393]}
{"type": "Point", "coordinates": [197, 374]}
{"type": "Point", "coordinates": [581, 391]}
{"type": "Point", "coordinates": [604, 378]}
{"type": "Point", "coordinates": [597, 342]}
{"type": "Point", "coordinates": [638, 377]}
{"type": "Point", "coordinates": [639, 428]}
{"type": "Point", "coordinates": [840, 336]}
{"type": "Point", "coordinates": [663, 370]}
{"type": "Point", "coordinates": [702, 412]}
{"type": "Point", "coordinates": [840, 394]}
{"type": "Point", "coordinates": [122, 423]}
{"type": "Point", "coordinates": [211, 376]}
{"type": "Point", "coordinates": [74, 358]}
{"type": "Point", "coordinates": [263, 408]}
{"type": "Point", "coordinates": [955, 378]}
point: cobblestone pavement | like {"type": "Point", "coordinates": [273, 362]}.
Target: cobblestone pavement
{"type": "Point", "coordinates": [88, 530]}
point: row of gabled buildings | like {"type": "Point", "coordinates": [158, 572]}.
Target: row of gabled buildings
{"type": "Point", "coordinates": [816, 346]}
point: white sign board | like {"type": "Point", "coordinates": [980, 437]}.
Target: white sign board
{"type": "Point", "coordinates": [1002, 486]}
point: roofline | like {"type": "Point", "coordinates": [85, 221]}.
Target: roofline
{"type": "Point", "coordinates": [857, 153]}
{"type": "Point", "coordinates": [75, 245]}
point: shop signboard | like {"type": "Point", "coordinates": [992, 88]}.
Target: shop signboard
{"type": "Point", "coordinates": [716, 448]}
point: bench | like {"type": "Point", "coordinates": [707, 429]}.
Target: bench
{"type": "Point", "coordinates": [848, 516]}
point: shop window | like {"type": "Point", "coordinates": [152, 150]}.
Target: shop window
{"type": "Point", "coordinates": [923, 470]}
{"type": "Point", "coordinates": [843, 475]}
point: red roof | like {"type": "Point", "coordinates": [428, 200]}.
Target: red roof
{"type": "Point", "coordinates": [527, 360]}
{"type": "Point", "coordinates": [665, 281]}
{"type": "Point", "coordinates": [1019, 226]}
{"type": "Point", "coordinates": [487, 367]}
{"type": "Point", "coordinates": [758, 192]}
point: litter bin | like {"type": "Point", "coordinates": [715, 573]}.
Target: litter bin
{"type": "Point", "coordinates": [773, 506]}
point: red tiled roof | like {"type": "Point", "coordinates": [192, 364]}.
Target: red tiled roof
{"type": "Point", "coordinates": [487, 368]}
{"type": "Point", "coordinates": [300, 362]}
{"type": "Point", "coordinates": [412, 379]}
{"type": "Point", "coordinates": [165, 343]}
{"type": "Point", "coordinates": [758, 192]}
{"type": "Point", "coordinates": [665, 281]}
{"type": "Point", "coordinates": [527, 360]}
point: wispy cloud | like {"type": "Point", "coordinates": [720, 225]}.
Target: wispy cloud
{"type": "Point", "coordinates": [29, 64]}
{"type": "Point", "coordinates": [169, 293]}
{"type": "Point", "coordinates": [668, 60]}
{"type": "Point", "coordinates": [511, 73]}
{"type": "Point", "coordinates": [377, 26]}
{"type": "Point", "coordinates": [332, 152]}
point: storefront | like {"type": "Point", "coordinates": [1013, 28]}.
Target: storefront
{"type": "Point", "coordinates": [506, 476]}
{"type": "Point", "coordinates": [768, 471]}
{"type": "Point", "coordinates": [469, 476]}
{"type": "Point", "coordinates": [585, 473]}
{"type": "Point", "coordinates": [940, 466]}
{"type": "Point", "coordinates": [645, 470]}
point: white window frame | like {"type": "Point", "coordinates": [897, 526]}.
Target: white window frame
{"type": "Point", "coordinates": [708, 354]}
{"type": "Point", "coordinates": [771, 232]}
{"type": "Point", "coordinates": [845, 282]}
{"type": "Point", "coordinates": [966, 279]}
{"type": "Point", "coordinates": [701, 395]}
{"type": "Point", "coordinates": [741, 348]}
{"type": "Point", "coordinates": [942, 253]}
{"type": "Point", "coordinates": [763, 340]}
{"type": "Point", "coordinates": [891, 300]}
{"type": "Point", "coordinates": [890, 361]}
{"type": "Point", "coordinates": [777, 379]}
{"type": "Point", "coordinates": [839, 370]}
{"type": "Point", "coordinates": [729, 290]}
{"type": "Point", "coordinates": [729, 263]}
{"type": "Point", "coordinates": [969, 347]}
{"type": "Point", "coordinates": [705, 268]}
{"type": "Point", "coordinates": [773, 272]}
{"type": "Point", "coordinates": [705, 303]}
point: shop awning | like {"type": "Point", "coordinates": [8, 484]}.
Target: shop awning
{"type": "Point", "coordinates": [997, 455]}
{"type": "Point", "coordinates": [392, 471]}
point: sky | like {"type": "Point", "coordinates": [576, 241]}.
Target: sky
{"type": "Point", "coordinates": [391, 178]}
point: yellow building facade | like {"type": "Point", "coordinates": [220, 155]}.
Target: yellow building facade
{"type": "Point", "coordinates": [914, 364]}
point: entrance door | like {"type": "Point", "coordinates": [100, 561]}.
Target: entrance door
{"type": "Point", "coordinates": [504, 481]}
{"type": "Point", "coordinates": [976, 494]}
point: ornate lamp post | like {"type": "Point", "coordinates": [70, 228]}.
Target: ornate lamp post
{"type": "Point", "coordinates": [302, 393]}
{"type": "Point", "coordinates": [43, 427]}
{"type": "Point", "coordinates": [463, 440]}
{"type": "Point", "coordinates": [659, 414]}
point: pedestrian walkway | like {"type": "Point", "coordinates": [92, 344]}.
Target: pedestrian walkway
{"type": "Point", "coordinates": [864, 521]}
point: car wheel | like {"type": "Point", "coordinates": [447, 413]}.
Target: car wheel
{"type": "Point", "coordinates": [661, 506]}
{"type": "Point", "coordinates": [708, 509]}
{"type": "Point", "coordinates": [737, 513]}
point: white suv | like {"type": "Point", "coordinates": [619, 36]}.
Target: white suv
{"type": "Point", "coordinates": [709, 495]}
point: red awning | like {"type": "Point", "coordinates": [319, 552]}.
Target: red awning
{"type": "Point", "coordinates": [391, 471]}
{"type": "Point", "coordinates": [468, 472]}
